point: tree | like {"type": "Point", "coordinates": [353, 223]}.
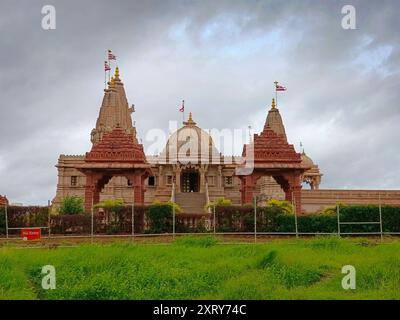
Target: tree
{"type": "Point", "coordinates": [71, 205]}
{"type": "Point", "coordinates": [285, 206]}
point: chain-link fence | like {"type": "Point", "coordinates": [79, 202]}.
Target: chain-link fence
{"type": "Point", "coordinates": [225, 220]}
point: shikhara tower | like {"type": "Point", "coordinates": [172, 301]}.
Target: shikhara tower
{"type": "Point", "coordinates": [117, 167]}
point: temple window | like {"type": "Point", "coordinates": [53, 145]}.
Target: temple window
{"type": "Point", "coordinates": [211, 180]}
{"type": "Point", "coordinates": [169, 180]}
{"type": "Point", "coordinates": [228, 181]}
{"type": "Point", "coordinates": [152, 181]}
{"type": "Point", "coordinates": [74, 181]}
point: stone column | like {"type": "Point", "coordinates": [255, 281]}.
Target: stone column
{"type": "Point", "coordinates": [293, 191]}
{"type": "Point", "coordinates": [202, 179]}
{"type": "Point", "coordinates": [247, 189]}
{"type": "Point", "coordinates": [177, 170]}
{"type": "Point", "coordinates": [89, 197]}
{"type": "Point", "coordinates": [138, 187]}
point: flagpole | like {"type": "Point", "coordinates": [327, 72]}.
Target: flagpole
{"type": "Point", "coordinates": [105, 76]}
{"type": "Point", "coordinates": [183, 113]}
{"type": "Point", "coordinates": [109, 71]}
{"type": "Point", "coordinates": [276, 94]}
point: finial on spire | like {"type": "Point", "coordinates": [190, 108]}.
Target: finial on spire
{"type": "Point", "coordinates": [273, 103]}
{"type": "Point", "coordinates": [190, 120]}
{"type": "Point", "coordinates": [116, 75]}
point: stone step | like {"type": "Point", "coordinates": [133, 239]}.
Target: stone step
{"type": "Point", "coordinates": [192, 202]}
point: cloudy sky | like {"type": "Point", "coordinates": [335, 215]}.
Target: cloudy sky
{"type": "Point", "coordinates": [220, 56]}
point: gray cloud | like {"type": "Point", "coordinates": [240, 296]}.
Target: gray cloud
{"type": "Point", "coordinates": [222, 58]}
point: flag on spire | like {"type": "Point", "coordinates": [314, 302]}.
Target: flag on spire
{"type": "Point", "coordinates": [111, 56]}
{"type": "Point", "coordinates": [280, 88]}
{"type": "Point", "coordinates": [106, 66]}
{"type": "Point", "coordinates": [182, 108]}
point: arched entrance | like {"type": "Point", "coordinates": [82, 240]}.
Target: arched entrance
{"type": "Point", "coordinates": [190, 180]}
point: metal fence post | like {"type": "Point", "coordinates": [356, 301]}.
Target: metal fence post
{"type": "Point", "coordinates": [338, 217]}
{"type": "Point", "coordinates": [173, 221]}
{"type": "Point", "coordinates": [214, 219]}
{"type": "Point", "coordinates": [92, 223]}
{"type": "Point", "coordinates": [295, 218]}
{"type": "Point", "coordinates": [255, 219]}
{"type": "Point", "coordinates": [133, 220]}
{"type": "Point", "coordinates": [380, 217]}
{"type": "Point", "coordinates": [6, 214]}
{"type": "Point", "coordinates": [49, 218]}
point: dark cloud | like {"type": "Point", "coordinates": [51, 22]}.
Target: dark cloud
{"type": "Point", "coordinates": [222, 58]}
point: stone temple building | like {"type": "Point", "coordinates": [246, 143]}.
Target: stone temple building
{"type": "Point", "coordinates": [190, 170]}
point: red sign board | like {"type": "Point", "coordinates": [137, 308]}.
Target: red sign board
{"type": "Point", "coordinates": [31, 234]}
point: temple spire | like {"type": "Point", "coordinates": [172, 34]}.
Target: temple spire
{"type": "Point", "coordinates": [115, 111]}
{"type": "Point", "coordinates": [274, 121]}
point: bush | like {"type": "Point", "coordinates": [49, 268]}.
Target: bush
{"type": "Point", "coordinates": [217, 203]}
{"type": "Point", "coordinates": [160, 216]}
{"type": "Point", "coordinates": [20, 217]}
{"type": "Point", "coordinates": [71, 205]}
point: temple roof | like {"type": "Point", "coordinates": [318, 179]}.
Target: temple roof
{"type": "Point", "coordinates": [114, 111]}
{"type": "Point", "coordinates": [270, 148]}
{"type": "Point", "coordinates": [116, 146]}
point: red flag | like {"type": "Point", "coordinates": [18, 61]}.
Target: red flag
{"type": "Point", "coordinates": [106, 66]}
{"type": "Point", "coordinates": [111, 56]}
{"type": "Point", "coordinates": [182, 109]}
{"type": "Point", "coordinates": [280, 88]}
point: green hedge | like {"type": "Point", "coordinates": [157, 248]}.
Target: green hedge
{"type": "Point", "coordinates": [274, 219]}
{"type": "Point", "coordinates": [157, 218]}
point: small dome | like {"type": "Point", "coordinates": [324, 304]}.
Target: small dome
{"type": "Point", "coordinates": [189, 144]}
{"type": "Point", "coordinates": [306, 160]}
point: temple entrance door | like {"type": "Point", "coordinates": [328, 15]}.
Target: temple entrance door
{"type": "Point", "coordinates": [190, 181]}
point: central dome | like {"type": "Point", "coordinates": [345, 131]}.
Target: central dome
{"type": "Point", "coordinates": [190, 144]}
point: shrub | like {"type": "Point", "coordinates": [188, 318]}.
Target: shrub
{"type": "Point", "coordinates": [160, 216]}
{"type": "Point", "coordinates": [111, 205]}
{"type": "Point", "coordinates": [71, 205]}
{"type": "Point", "coordinates": [218, 203]}
{"type": "Point", "coordinates": [281, 206]}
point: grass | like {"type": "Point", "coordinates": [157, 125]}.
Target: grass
{"type": "Point", "coordinates": [201, 268]}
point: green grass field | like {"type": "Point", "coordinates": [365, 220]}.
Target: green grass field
{"type": "Point", "coordinates": [200, 268]}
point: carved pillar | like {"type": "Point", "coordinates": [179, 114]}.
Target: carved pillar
{"type": "Point", "coordinates": [247, 189]}
{"type": "Point", "coordinates": [177, 170]}
{"type": "Point", "coordinates": [160, 181]}
{"type": "Point", "coordinates": [219, 183]}
{"type": "Point", "coordinates": [138, 187]}
{"type": "Point", "coordinates": [89, 193]}
{"type": "Point", "coordinates": [293, 191]}
{"type": "Point", "coordinates": [202, 170]}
